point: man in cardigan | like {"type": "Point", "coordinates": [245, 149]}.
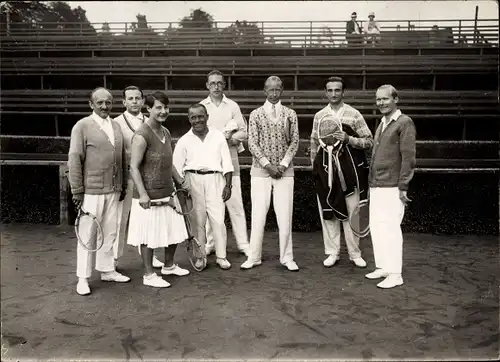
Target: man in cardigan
{"type": "Point", "coordinates": [360, 139]}
{"type": "Point", "coordinates": [224, 114]}
{"type": "Point", "coordinates": [129, 121]}
{"type": "Point", "coordinates": [97, 175]}
{"type": "Point", "coordinates": [273, 140]}
{"type": "Point", "coordinates": [391, 170]}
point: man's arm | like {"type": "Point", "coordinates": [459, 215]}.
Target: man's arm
{"type": "Point", "coordinates": [294, 140]}
{"type": "Point", "coordinates": [179, 157]}
{"type": "Point", "coordinates": [407, 147]}
{"type": "Point", "coordinates": [125, 170]}
{"type": "Point", "coordinates": [241, 134]}
{"type": "Point", "coordinates": [364, 140]}
{"type": "Point", "coordinates": [76, 158]}
{"type": "Point", "coordinates": [314, 139]}
{"type": "Point", "coordinates": [253, 141]}
{"type": "Point", "coordinates": [227, 169]}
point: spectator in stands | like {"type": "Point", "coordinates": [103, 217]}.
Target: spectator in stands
{"type": "Point", "coordinates": [372, 30]}
{"type": "Point", "coordinates": [98, 180]}
{"type": "Point", "coordinates": [273, 142]}
{"type": "Point", "coordinates": [353, 32]}
{"type": "Point", "coordinates": [225, 115]}
{"type": "Point", "coordinates": [154, 176]}
{"type": "Point", "coordinates": [434, 36]}
{"type": "Point", "coordinates": [130, 121]}
{"type": "Point", "coordinates": [392, 168]}
{"type": "Point", "coordinates": [360, 138]}
{"type": "Point", "coordinates": [203, 156]}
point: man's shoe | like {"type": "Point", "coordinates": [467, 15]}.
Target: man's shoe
{"type": "Point", "coordinates": [174, 270]}
{"type": "Point", "coordinates": [331, 260]}
{"type": "Point", "coordinates": [83, 288]}
{"type": "Point", "coordinates": [154, 280]}
{"type": "Point", "coordinates": [393, 280]}
{"type": "Point", "coordinates": [377, 274]}
{"type": "Point", "coordinates": [359, 262]}
{"type": "Point", "coordinates": [114, 276]}
{"type": "Point", "coordinates": [291, 265]}
{"type": "Point", "coordinates": [223, 263]}
{"type": "Point", "coordinates": [248, 264]}
{"type": "Point", "coordinates": [157, 263]}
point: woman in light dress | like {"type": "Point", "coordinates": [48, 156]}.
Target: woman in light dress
{"type": "Point", "coordinates": [153, 227]}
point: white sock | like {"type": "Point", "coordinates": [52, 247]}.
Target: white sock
{"type": "Point", "coordinates": [83, 280]}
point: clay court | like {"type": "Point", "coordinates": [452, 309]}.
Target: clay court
{"type": "Point", "coordinates": [447, 308]}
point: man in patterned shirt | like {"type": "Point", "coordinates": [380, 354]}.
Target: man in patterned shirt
{"type": "Point", "coordinates": [349, 116]}
{"type": "Point", "coordinates": [273, 141]}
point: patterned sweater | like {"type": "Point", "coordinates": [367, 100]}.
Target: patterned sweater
{"type": "Point", "coordinates": [273, 141]}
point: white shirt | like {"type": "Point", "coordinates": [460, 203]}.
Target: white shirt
{"type": "Point", "coordinates": [211, 154]}
{"type": "Point", "coordinates": [136, 121]}
{"type": "Point", "coordinates": [219, 116]}
{"type": "Point", "coordinates": [268, 107]}
{"type": "Point", "coordinates": [386, 122]}
{"type": "Point", "coordinates": [106, 126]}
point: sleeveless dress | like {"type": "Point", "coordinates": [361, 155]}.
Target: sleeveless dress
{"type": "Point", "coordinates": [158, 226]}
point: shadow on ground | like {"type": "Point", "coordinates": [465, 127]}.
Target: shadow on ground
{"type": "Point", "coordinates": [447, 308]}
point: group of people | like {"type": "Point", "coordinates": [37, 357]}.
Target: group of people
{"type": "Point", "coordinates": [355, 34]}
{"type": "Point", "coordinates": [119, 168]}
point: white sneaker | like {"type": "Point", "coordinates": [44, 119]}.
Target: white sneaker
{"type": "Point", "coordinates": [223, 263]}
{"type": "Point", "coordinates": [250, 264]}
{"type": "Point", "coordinates": [157, 263]}
{"type": "Point", "coordinates": [331, 260]}
{"type": "Point", "coordinates": [393, 280]}
{"type": "Point", "coordinates": [174, 270]}
{"type": "Point", "coordinates": [154, 280]}
{"type": "Point", "coordinates": [83, 288]}
{"type": "Point", "coordinates": [377, 274]}
{"type": "Point", "coordinates": [114, 276]}
{"type": "Point", "coordinates": [360, 262]}
{"type": "Point", "coordinates": [291, 265]}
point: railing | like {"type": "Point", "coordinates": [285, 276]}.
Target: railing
{"type": "Point", "coordinates": [277, 33]}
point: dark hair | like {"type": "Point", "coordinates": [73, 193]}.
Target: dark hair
{"type": "Point", "coordinates": [132, 87]}
{"type": "Point", "coordinates": [97, 89]}
{"type": "Point", "coordinates": [198, 105]}
{"type": "Point", "coordinates": [335, 79]}
{"type": "Point", "coordinates": [215, 72]}
{"type": "Point", "coordinates": [159, 96]}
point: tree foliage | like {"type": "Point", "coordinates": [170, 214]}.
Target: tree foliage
{"type": "Point", "coordinates": [243, 33]}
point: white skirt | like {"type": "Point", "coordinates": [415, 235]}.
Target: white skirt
{"type": "Point", "coordinates": [156, 227]}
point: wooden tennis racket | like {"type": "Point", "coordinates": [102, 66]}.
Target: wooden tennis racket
{"type": "Point", "coordinates": [359, 220]}
{"type": "Point", "coordinates": [88, 231]}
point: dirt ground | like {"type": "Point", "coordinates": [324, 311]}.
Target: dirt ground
{"type": "Point", "coordinates": [447, 308]}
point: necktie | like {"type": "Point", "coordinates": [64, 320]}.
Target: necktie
{"type": "Point", "coordinates": [274, 111]}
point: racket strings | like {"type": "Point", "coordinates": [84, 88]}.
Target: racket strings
{"type": "Point", "coordinates": [88, 231]}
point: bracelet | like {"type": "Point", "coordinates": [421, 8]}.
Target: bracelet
{"type": "Point", "coordinates": [229, 186]}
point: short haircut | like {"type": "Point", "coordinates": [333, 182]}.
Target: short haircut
{"type": "Point", "coordinates": [159, 96]}
{"type": "Point", "coordinates": [198, 105]}
{"type": "Point", "coordinates": [215, 72]}
{"type": "Point", "coordinates": [275, 79]}
{"type": "Point", "coordinates": [98, 89]}
{"type": "Point", "coordinates": [132, 87]}
{"type": "Point", "coordinates": [392, 89]}
{"type": "Point", "coordinates": [336, 79]}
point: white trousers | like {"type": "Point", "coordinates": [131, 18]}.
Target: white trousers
{"type": "Point", "coordinates": [123, 220]}
{"type": "Point", "coordinates": [282, 191]}
{"type": "Point", "coordinates": [386, 214]}
{"type": "Point", "coordinates": [105, 208]}
{"type": "Point", "coordinates": [206, 192]}
{"type": "Point", "coordinates": [237, 215]}
{"type": "Point", "coordinates": [331, 230]}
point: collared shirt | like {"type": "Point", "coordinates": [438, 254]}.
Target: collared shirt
{"type": "Point", "coordinates": [106, 126]}
{"type": "Point", "coordinates": [394, 117]}
{"type": "Point", "coordinates": [129, 124]}
{"type": "Point", "coordinates": [136, 121]}
{"type": "Point", "coordinates": [268, 107]}
{"type": "Point", "coordinates": [211, 154]}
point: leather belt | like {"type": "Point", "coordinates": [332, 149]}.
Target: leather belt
{"type": "Point", "coordinates": [201, 172]}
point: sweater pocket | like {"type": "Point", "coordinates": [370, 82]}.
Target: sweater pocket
{"type": "Point", "coordinates": [95, 179]}
{"type": "Point", "coordinates": [382, 174]}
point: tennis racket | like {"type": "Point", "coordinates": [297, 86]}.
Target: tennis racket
{"type": "Point", "coordinates": [359, 220]}
{"type": "Point", "coordinates": [182, 203]}
{"type": "Point", "coordinates": [328, 126]}
{"type": "Point", "coordinates": [88, 231]}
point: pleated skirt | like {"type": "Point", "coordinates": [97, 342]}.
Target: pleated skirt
{"type": "Point", "coordinates": [156, 227]}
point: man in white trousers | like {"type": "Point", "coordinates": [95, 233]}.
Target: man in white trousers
{"type": "Point", "coordinates": [225, 115]}
{"type": "Point", "coordinates": [273, 140]}
{"type": "Point", "coordinates": [97, 176]}
{"type": "Point", "coordinates": [391, 170]}
{"type": "Point", "coordinates": [362, 140]}
{"type": "Point", "coordinates": [202, 156]}
{"type": "Point", "coordinates": [129, 121]}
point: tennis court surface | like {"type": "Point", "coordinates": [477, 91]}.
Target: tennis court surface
{"type": "Point", "coordinates": [447, 308]}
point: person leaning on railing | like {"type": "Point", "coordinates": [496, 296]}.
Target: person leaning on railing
{"type": "Point", "coordinates": [372, 30]}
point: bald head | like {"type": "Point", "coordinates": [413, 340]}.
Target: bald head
{"type": "Point", "coordinates": [101, 102]}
